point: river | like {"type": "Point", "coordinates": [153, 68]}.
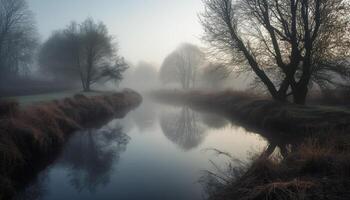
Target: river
{"type": "Point", "coordinates": [155, 152]}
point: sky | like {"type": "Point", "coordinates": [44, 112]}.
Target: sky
{"type": "Point", "coordinates": [146, 30]}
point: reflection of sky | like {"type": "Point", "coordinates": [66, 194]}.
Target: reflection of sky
{"type": "Point", "coordinates": [146, 29]}
{"type": "Point", "coordinates": [153, 167]}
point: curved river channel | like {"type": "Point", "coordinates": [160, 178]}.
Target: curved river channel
{"type": "Point", "coordinates": [155, 152]}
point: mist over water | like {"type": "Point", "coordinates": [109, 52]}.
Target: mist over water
{"type": "Point", "coordinates": [156, 152]}
{"type": "Point", "coordinates": [174, 100]}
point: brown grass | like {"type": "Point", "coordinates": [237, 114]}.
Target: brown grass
{"type": "Point", "coordinates": [318, 169]}
{"type": "Point", "coordinates": [28, 136]}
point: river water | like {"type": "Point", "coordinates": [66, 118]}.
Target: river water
{"type": "Point", "coordinates": [155, 152]}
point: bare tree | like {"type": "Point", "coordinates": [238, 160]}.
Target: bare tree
{"type": "Point", "coordinates": [18, 38]}
{"type": "Point", "coordinates": [83, 50]}
{"type": "Point", "coordinates": [181, 66]}
{"type": "Point", "coordinates": [287, 44]}
{"type": "Point", "coordinates": [213, 74]}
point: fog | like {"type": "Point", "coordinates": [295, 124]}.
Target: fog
{"type": "Point", "coordinates": [146, 30]}
{"type": "Point", "coordinates": [136, 38]}
{"type": "Point", "coordinates": [124, 99]}
{"type": "Point", "coordinates": [160, 44]}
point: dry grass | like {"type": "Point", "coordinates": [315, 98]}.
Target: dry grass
{"type": "Point", "coordinates": [8, 107]}
{"type": "Point", "coordinates": [317, 169]}
{"type": "Point", "coordinates": [30, 135]}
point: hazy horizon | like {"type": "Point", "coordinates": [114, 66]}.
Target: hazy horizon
{"type": "Point", "coordinates": [145, 30]}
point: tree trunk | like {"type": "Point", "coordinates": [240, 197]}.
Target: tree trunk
{"type": "Point", "coordinates": [282, 92]}
{"type": "Point", "coordinates": [299, 95]}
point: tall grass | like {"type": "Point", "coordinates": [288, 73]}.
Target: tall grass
{"type": "Point", "coordinates": [31, 135]}
{"type": "Point", "coordinates": [318, 169]}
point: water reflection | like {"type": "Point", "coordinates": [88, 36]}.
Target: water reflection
{"type": "Point", "coordinates": [183, 128]}
{"type": "Point", "coordinates": [87, 161]}
{"type": "Point", "coordinates": [36, 189]}
{"type": "Point", "coordinates": [145, 116]}
{"type": "Point", "coordinates": [89, 156]}
{"type": "Point", "coordinates": [283, 143]}
{"type": "Point", "coordinates": [149, 168]}
{"type": "Point", "coordinates": [214, 121]}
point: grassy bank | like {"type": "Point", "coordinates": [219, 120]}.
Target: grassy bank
{"type": "Point", "coordinates": [263, 113]}
{"type": "Point", "coordinates": [29, 100]}
{"type": "Point", "coordinates": [30, 136]}
{"type": "Point", "coordinates": [317, 166]}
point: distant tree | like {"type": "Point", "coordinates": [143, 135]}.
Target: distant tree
{"type": "Point", "coordinates": [287, 44]}
{"type": "Point", "coordinates": [181, 66]}
{"type": "Point", "coordinates": [83, 50]}
{"type": "Point", "coordinates": [145, 75]}
{"type": "Point", "coordinates": [18, 38]}
{"type": "Point", "coordinates": [213, 74]}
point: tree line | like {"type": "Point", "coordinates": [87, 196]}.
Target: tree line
{"type": "Point", "coordinates": [83, 52]}
{"type": "Point", "coordinates": [18, 38]}
{"type": "Point", "coordinates": [290, 47]}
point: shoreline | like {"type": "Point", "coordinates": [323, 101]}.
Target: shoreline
{"type": "Point", "coordinates": [32, 136]}
{"type": "Point", "coordinates": [313, 161]}
{"type": "Point", "coordinates": [263, 113]}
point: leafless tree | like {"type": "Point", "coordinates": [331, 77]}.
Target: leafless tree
{"type": "Point", "coordinates": [83, 50]}
{"type": "Point", "coordinates": [181, 66]}
{"type": "Point", "coordinates": [18, 38]}
{"type": "Point", "coordinates": [287, 44]}
{"type": "Point", "coordinates": [213, 74]}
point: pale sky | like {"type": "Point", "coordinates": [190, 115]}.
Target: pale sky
{"type": "Point", "coordinates": [146, 30]}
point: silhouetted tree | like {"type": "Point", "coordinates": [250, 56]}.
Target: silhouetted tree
{"type": "Point", "coordinates": [181, 66]}
{"type": "Point", "coordinates": [287, 44]}
{"type": "Point", "coordinates": [18, 38]}
{"type": "Point", "coordinates": [83, 50]}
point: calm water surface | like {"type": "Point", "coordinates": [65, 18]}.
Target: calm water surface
{"type": "Point", "coordinates": [155, 152]}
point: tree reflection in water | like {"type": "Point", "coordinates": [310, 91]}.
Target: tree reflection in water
{"type": "Point", "coordinates": [183, 128]}
{"type": "Point", "coordinates": [36, 189]}
{"type": "Point", "coordinates": [214, 121]}
{"type": "Point", "coordinates": [145, 116]}
{"type": "Point", "coordinates": [88, 159]}
{"type": "Point", "coordinates": [89, 156]}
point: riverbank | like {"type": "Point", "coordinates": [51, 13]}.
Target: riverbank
{"type": "Point", "coordinates": [34, 99]}
{"type": "Point", "coordinates": [263, 113]}
{"type": "Point", "coordinates": [315, 167]}
{"type": "Point", "coordinates": [318, 168]}
{"type": "Point", "coordinates": [31, 136]}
